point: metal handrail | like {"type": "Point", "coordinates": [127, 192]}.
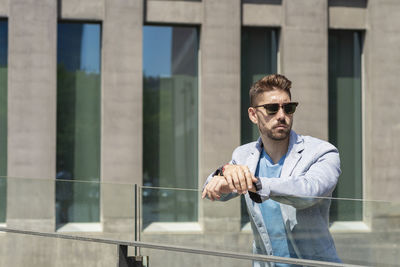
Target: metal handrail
{"type": "Point", "coordinates": [218, 253]}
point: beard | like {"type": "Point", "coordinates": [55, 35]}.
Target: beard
{"type": "Point", "coordinates": [278, 135]}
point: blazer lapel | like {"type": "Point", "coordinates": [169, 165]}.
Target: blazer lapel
{"type": "Point", "coordinates": [252, 160]}
{"type": "Point", "coordinates": [296, 146]}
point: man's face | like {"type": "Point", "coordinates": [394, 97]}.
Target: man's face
{"type": "Point", "coordinates": [275, 126]}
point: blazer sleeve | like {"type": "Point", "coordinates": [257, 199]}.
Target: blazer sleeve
{"type": "Point", "coordinates": [304, 190]}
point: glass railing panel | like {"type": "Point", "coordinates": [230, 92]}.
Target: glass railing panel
{"type": "Point", "coordinates": [35, 207]}
{"type": "Point", "coordinates": [3, 199]}
{"type": "Point", "coordinates": [173, 259]}
{"type": "Point", "coordinates": [77, 202]}
{"type": "Point", "coordinates": [184, 220]}
{"type": "Point", "coordinates": [115, 204]}
{"type": "Point", "coordinates": [70, 206]}
{"type": "Point", "coordinates": [168, 205]}
{"type": "Point", "coordinates": [372, 241]}
{"type": "Point", "coordinates": [311, 236]}
{"type": "Point", "coordinates": [30, 203]}
{"type": "Point", "coordinates": [119, 208]}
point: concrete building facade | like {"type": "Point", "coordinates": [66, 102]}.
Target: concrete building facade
{"type": "Point", "coordinates": [303, 26]}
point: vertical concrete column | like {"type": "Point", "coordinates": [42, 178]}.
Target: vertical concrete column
{"type": "Point", "coordinates": [32, 113]}
{"type": "Point", "coordinates": [382, 123]}
{"type": "Point", "coordinates": [219, 100]}
{"type": "Point", "coordinates": [304, 60]}
{"type": "Point", "coordinates": [121, 107]}
{"type": "Point", "coordinates": [31, 127]}
{"type": "Point", "coordinates": [4, 8]}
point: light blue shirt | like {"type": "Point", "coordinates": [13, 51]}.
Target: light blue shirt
{"type": "Point", "coordinates": [271, 211]}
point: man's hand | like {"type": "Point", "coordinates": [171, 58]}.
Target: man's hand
{"type": "Point", "coordinates": [239, 178]}
{"type": "Point", "coordinates": [236, 179]}
{"type": "Point", "coordinates": [217, 186]}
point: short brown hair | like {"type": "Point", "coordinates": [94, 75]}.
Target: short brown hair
{"type": "Point", "coordinates": [270, 83]}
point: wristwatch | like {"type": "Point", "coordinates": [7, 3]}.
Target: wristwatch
{"type": "Point", "coordinates": [219, 171]}
{"type": "Point", "coordinates": [258, 184]}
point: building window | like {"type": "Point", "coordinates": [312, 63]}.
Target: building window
{"type": "Point", "coordinates": [170, 123]}
{"type": "Point", "coordinates": [3, 118]}
{"type": "Point", "coordinates": [259, 57]}
{"type": "Point", "coordinates": [274, 2]}
{"type": "Point", "coordinates": [345, 127]}
{"type": "Point", "coordinates": [78, 122]}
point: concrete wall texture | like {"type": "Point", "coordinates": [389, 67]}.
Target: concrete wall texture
{"type": "Point", "coordinates": [303, 57]}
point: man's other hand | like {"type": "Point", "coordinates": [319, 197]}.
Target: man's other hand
{"type": "Point", "coordinates": [239, 178]}
{"type": "Point", "coordinates": [215, 188]}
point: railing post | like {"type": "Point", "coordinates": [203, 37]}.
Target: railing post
{"type": "Point", "coordinates": [125, 261]}
{"type": "Point", "coordinates": [136, 217]}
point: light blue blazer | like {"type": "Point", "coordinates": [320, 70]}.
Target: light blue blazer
{"type": "Point", "coordinates": [310, 171]}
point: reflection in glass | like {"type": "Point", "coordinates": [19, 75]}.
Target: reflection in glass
{"type": "Point", "coordinates": [3, 117]}
{"type": "Point", "coordinates": [170, 118]}
{"type": "Point", "coordinates": [345, 118]}
{"type": "Point", "coordinates": [168, 205]}
{"type": "Point", "coordinates": [259, 58]}
{"type": "Point", "coordinates": [78, 122]}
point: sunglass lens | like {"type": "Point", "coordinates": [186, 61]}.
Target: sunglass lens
{"type": "Point", "coordinates": [271, 108]}
{"type": "Point", "coordinates": [290, 108]}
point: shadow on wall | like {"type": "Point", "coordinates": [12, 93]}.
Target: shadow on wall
{"type": "Point", "coordinates": [349, 3]}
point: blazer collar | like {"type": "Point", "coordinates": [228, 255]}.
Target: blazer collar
{"type": "Point", "coordinates": [296, 143]}
{"type": "Point", "coordinates": [296, 146]}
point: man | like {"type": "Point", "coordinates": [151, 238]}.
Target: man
{"type": "Point", "coordinates": [282, 176]}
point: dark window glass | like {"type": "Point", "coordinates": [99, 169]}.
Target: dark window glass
{"type": "Point", "coordinates": [258, 58]}
{"type": "Point", "coordinates": [349, 3]}
{"type": "Point", "coordinates": [345, 120]}
{"type": "Point", "coordinates": [3, 118]}
{"type": "Point", "coordinates": [170, 122]}
{"type": "Point", "coordinates": [270, 2]}
{"type": "Point", "coordinates": [78, 122]}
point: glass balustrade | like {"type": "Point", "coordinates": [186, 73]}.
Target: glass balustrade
{"type": "Point", "coordinates": [219, 227]}
{"type": "Point", "coordinates": [185, 228]}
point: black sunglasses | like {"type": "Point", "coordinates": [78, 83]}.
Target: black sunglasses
{"type": "Point", "coordinates": [273, 108]}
